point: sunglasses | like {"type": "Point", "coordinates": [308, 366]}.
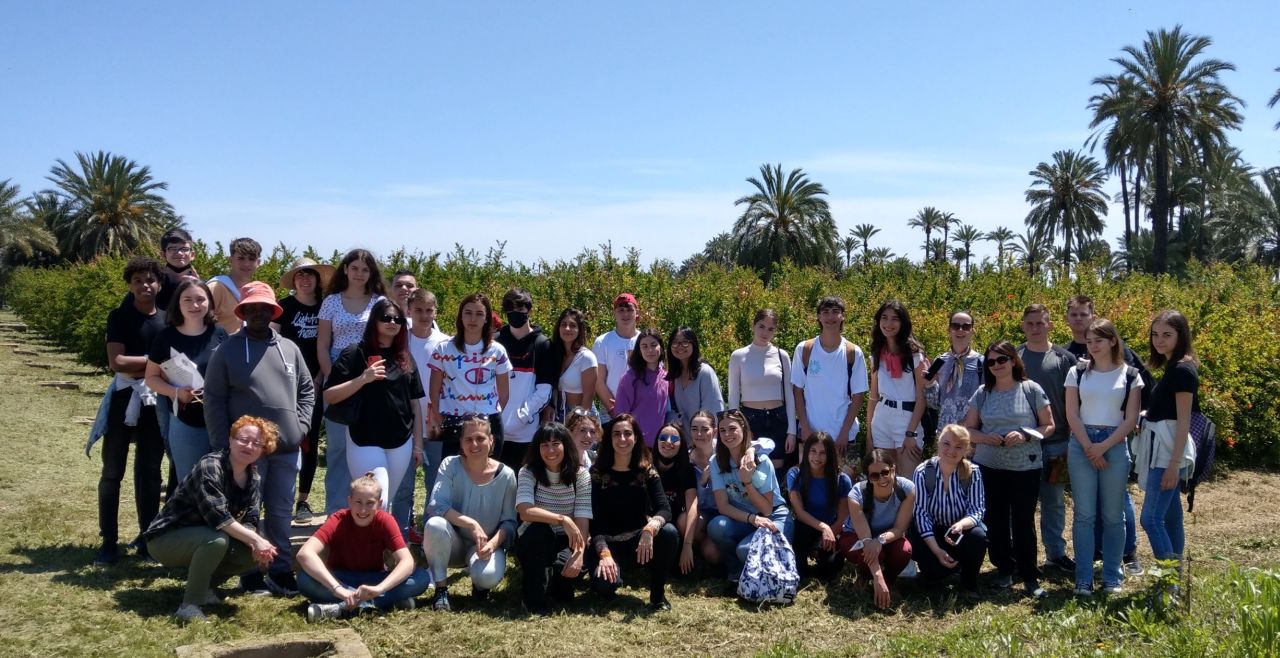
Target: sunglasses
{"type": "Point", "coordinates": [579, 411]}
{"type": "Point", "coordinates": [999, 361]}
{"type": "Point", "coordinates": [960, 326]}
{"type": "Point", "coordinates": [669, 438]}
{"type": "Point", "coordinates": [387, 318]}
{"type": "Point", "coordinates": [876, 475]}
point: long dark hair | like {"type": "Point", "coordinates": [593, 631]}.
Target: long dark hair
{"type": "Point", "coordinates": [173, 314]}
{"type": "Point", "coordinates": [1178, 322]}
{"type": "Point", "coordinates": [674, 367]}
{"type": "Point", "coordinates": [1006, 348]}
{"type": "Point", "coordinates": [558, 348]}
{"type": "Point", "coordinates": [637, 362]}
{"type": "Point", "coordinates": [338, 284]}
{"type": "Point", "coordinates": [640, 456]}
{"type": "Point", "coordinates": [830, 472]}
{"type": "Point", "coordinates": [905, 343]}
{"type": "Point", "coordinates": [549, 432]}
{"type": "Point", "coordinates": [486, 333]}
{"type": "Point", "coordinates": [399, 344]}
{"type": "Point", "coordinates": [722, 450]}
{"type": "Point", "coordinates": [681, 460]}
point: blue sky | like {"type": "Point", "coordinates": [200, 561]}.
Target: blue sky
{"type": "Point", "coordinates": [561, 125]}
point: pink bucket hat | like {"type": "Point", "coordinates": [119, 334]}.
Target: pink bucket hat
{"type": "Point", "coordinates": [257, 292]}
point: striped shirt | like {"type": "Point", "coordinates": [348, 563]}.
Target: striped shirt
{"type": "Point", "coordinates": [943, 507]}
{"type": "Point", "coordinates": [572, 500]}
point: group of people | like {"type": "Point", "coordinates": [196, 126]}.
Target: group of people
{"type": "Point", "coordinates": [582, 459]}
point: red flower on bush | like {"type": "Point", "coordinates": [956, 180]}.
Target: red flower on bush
{"type": "Point", "coordinates": [1231, 441]}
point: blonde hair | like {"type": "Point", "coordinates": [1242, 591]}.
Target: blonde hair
{"type": "Point", "coordinates": [367, 480]}
{"type": "Point", "coordinates": [267, 430]}
{"type": "Point", "coordinates": [962, 438]}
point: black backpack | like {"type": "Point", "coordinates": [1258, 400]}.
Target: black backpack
{"type": "Point", "coordinates": [869, 496]}
{"type": "Point", "coordinates": [1131, 374]}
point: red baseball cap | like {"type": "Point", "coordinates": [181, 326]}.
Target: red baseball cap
{"type": "Point", "coordinates": [625, 298]}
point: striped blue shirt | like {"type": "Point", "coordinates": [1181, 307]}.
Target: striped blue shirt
{"type": "Point", "coordinates": [941, 506]}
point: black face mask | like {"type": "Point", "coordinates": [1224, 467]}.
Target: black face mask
{"type": "Point", "coordinates": [517, 319]}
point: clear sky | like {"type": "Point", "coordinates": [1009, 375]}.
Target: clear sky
{"type": "Point", "coordinates": [559, 125]}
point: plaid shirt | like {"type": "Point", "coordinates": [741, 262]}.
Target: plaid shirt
{"type": "Point", "coordinates": [208, 495]}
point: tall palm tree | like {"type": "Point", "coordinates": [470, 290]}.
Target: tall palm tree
{"type": "Point", "coordinates": [786, 218]}
{"type": "Point", "coordinates": [1034, 249]}
{"type": "Point", "coordinates": [881, 255]}
{"type": "Point", "coordinates": [111, 206]}
{"type": "Point", "coordinates": [949, 219]}
{"type": "Point", "coordinates": [1067, 197]}
{"type": "Point", "coordinates": [849, 245]}
{"type": "Point", "coordinates": [20, 233]}
{"type": "Point", "coordinates": [864, 232]}
{"type": "Point", "coordinates": [966, 235]}
{"type": "Point", "coordinates": [1275, 98]}
{"type": "Point", "coordinates": [938, 247]}
{"type": "Point", "coordinates": [1003, 237]}
{"type": "Point", "coordinates": [1164, 93]}
{"type": "Point", "coordinates": [928, 220]}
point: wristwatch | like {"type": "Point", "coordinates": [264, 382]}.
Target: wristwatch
{"type": "Point", "coordinates": [912, 434]}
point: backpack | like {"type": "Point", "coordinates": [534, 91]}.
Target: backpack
{"type": "Point", "coordinates": [850, 355]}
{"type": "Point", "coordinates": [869, 497]}
{"type": "Point", "coordinates": [769, 574]}
{"type": "Point", "coordinates": [1130, 375]}
{"type": "Point", "coordinates": [1204, 435]}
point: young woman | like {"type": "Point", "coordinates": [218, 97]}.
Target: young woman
{"type": "Point", "coordinates": [577, 363]}
{"type": "Point", "coordinates": [680, 483]}
{"type": "Point", "coordinates": [693, 383]}
{"type": "Point", "coordinates": [631, 515]}
{"type": "Point", "coordinates": [950, 505]}
{"type": "Point", "coordinates": [897, 388]}
{"type": "Point", "coordinates": [584, 426]}
{"type": "Point", "coordinates": [209, 525]}
{"type": "Point", "coordinates": [355, 287]}
{"type": "Point", "coordinates": [880, 510]}
{"type": "Point", "coordinates": [192, 334]}
{"type": "Point", "coordinates": [702, 431]}
{"type": "Point", "coordinates": [1007, 418]}
{"type": "Point", "coordinates": [819, 495]}
{"type": "Point", "coordinates": [341, 565]}
{"type": "Point", "coordinates": [553, 499]}
{"type": "Point", "coordinates": [760, 384]}
{"type": "Point", "coordinates": [473, 515]}
{"type": "Point", "coordinates": [644, 388]}
{"type": "Point", "coordinates": [1174, 397]}
{"type": "Point", "coordinates": [1104, 396]}
{"type": "Point", "coordinates": [957, 372]}
{"type": "Point", "coordinates": [747, 494]}
{"type": "Point", "coordinates": [469, 376]}
{"type": "Point", "coordinates": [378, 371]}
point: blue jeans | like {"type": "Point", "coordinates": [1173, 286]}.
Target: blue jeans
{"type": "Point", "coordinates": [279, 473]}
{"type": "Point", "coordinates": [187, 445]}
{"type": "Point", "coordinates": [433, 455]}
{"type": "Point", "coordinates": [732, 537]}
{"type": "Point", "coordinates": [402, 501]}
{"type": "Point", "coordinates": [1053, 505]}
{"type": "Point", "coordinates": [1130, 529]}
{"type": "Point", "coordinates": [412, 587]}
{"type": "Point", "coordinates": [337, 478]}
{"type": "Point", "coordinates": [1094, 489]}
{"type": "Point", "coordinates": [1162, 517]}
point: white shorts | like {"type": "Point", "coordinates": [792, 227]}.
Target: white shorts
{"type": "Point", "coordinates": [889, 427]}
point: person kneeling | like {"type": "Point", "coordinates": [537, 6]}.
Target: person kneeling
{"type": "Point", "coordinates": [880, 510]}
{"type": "Point", "coordinates": [354, 576]}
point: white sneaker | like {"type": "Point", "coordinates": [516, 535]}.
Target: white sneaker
{"type": "Point", "coordinates": [1111, 590]}
{"type": "Point", "coordinates": [188, 612]}
{"type": "Point", "coordinates": [319, 611]}
{"type": "Point", "coordinates": [1084, 592]}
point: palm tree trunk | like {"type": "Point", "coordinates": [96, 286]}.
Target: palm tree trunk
{"type": "Point", "coordinates": [1137, 197]}
{"type": "Point", "coordinates": [1160, 211]}
{"type": "Point", "coordinates": [1124, 194]}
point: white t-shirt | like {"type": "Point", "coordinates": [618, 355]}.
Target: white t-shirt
{"type": "Point", "coordinates": [470, 379]}
{"type": "Point", "coordinates": [827, 385]}
{"type": "Point", "coordinates": [902, 389]}
{"type": "Point", "coordinates": [1101, 395]}
{"type": "Point", "coordinates": [612, 352]}
{"type": "Point", "coordinates": [571, 378]}
{"type": "Point", "coordinates": [420, 349]}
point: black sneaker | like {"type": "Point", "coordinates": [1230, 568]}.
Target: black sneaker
{"type": "Point", "coordinates": [140, 551]}
{"type": "Point", "coordinates": [1035, 591]}
{"type": "Point", "coordinates": [282, 583]}
{"type": "Point", "coordinates": [303, 514]}
{"type": "Point", "coordinates": [441, 602]}
{"type": "Point", "coordinates": [254, 583]}
{"type": "Point", "coordinates": [1063, 563]}
{"type": "Point", "coordinates": [108, 555]}
{"type": "Point", "coordinates": [661, 604]}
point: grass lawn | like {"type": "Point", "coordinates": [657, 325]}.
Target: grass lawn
{"type": "Point", "coordinates": [54, 602]}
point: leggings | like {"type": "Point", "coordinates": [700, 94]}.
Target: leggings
{"type": "Point", "coordinates": [387, 465]}
{"type": "Point", "coordinates": [444, 546]}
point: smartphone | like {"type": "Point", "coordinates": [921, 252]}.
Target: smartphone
{"type": "Point", "coordinates": [956, 537]}
{"type": "Point", "coordinates": [374, 359]}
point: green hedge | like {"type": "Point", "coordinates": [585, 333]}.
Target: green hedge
{"type": "Point", "coordinates": [1233, 312]}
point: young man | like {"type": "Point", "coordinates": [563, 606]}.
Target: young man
{"type": "Point", "coordinates": [258, 373]}
{"type": "Point", "coordinates": [423, 339]}
{"type": "Point", "coordinates": [403, 283]}
{"type": "Point", "coordinates": [612, 351]}
{"type": "Point", "coordinates": [178, 250]}
{"type": "Point", "coordinates": [532, 376]}
{"type": "Point", "coordinates": [245, 254]}
{"type": "Point", "coordinates": [1048, 366]}
{"type": "Point", "coordinates": [1080, 314]}
{"type": "Point", "coordinates": [299, 322]}
{"type": "Point", "coordinates": [130, 412]}
{"type": "Point", "coordinates": [829, 378]}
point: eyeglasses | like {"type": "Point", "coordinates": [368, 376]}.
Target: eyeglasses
{"type": "Point", "coordinates": [178, 250]}
{"type": "Point", "coordinates": [999, 360]}
{"type": "Point", "coordinates": [669, 438]}
{"type": "Point", "coordinates": [681, 344]}
{"type": "Point", "coordinates": [387, 318]}
{"type": "Point", "coordinates": [961, 326]}
{"type": "Point", "coordinates": [248, 443]}
{"type": "Point", "coordinates": [876, 475]}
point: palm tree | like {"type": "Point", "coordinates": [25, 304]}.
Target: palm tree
{"type": "Point", "coordinates": [849, 245]}
{"type": "Point", "coordinates": [938, 247]}
{"type": "Point", "coordinates": [949, 219]}
{"type": "Point", "coordinates": [785, 219]}
{"type": "Point", "coordinates": [881, 255]}
{"type": "Point", "coordinates": [966, 235]}
{"type": "Point", "coordinates": [928, 219]}
{"type": "Point", "coordinates": [20, 233]}
{"type": "Point", "coordinates": [1168, 98]}
{"type": "Point", "coordinates": [1067, 197]}
{"type": "Point", "coordinates": [864, 232]}
{"type": "Point", "coordinates": [1003, 237]}
{"type": "Point", "coordinates": [1275, 98]}
{"type": "Point", "coordinates": [110, 206]}
{"type": "Point", "coordinates": [1034, 248]}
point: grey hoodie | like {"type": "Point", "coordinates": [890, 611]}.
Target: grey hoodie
{"type": "Point", "coordinates": [268, 379]}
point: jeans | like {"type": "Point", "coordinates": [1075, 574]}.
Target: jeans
{"type": "Point", "coordinates": [1053, 505]}
{"type": "Point", "coordinates": [210, 556]}
{"type": "Point", "coordinates": [1162, 517]}
{"type": "Point", "coordinates": [337, 480]}
{"type": "Point", "coordinates": [1093, 490]}
{"type": "Point", "coordinates": [402, 501]}
{"type": "Point", "coordinates": [187, 444]}
{"type": "Point", "coordinates": [1130, 528]}
{"type": "Point", "coordinates": [412, 587]}
{"type": "Point", "coordinates": [1010, 520]}
{"type": "Point", "coordinates": [732, 537]}
{"type": "Point", "coordinates": [146, 467]}
{"type": "Point", "coordinates": [433, 455]}
{"type": "Point", "coordinates": [279, 474]}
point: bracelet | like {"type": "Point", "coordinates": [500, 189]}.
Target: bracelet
{"type": "Point", "coordinates": [606, 553]}
{"type": "Point", "coordinates": [751, 518]}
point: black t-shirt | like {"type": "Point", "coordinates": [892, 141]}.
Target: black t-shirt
{"type": "Point", "coordinates": [299, 323]}
{"type": "Point", "coordinates": [1180, 377]}
{"type": "Point", "coordinates": [128, 326]}
{"type": "Point", "coordinates": [197, 348]}
{"type": "Point", "coordinates": [169, 286]}
{"type": "Point", "coordinates": [675, 482]}
{"type": "Point", "coordinates": [386, 406]}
